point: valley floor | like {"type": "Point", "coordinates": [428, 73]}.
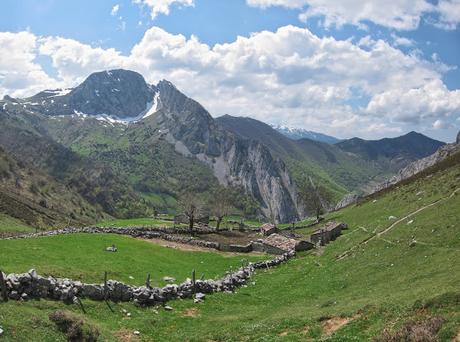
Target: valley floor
{"type": "Point", "coordinates": [372, 282]}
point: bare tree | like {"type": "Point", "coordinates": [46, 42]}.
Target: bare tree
{"type": "Point", "coordinates": [192, 207]}
{"type": "Point", "coordinates": [315, 198]}
{"type": "Point", "coordinates": [220, 205]}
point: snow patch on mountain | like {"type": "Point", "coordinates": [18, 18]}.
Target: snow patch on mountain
{"type": "Point", "coordinates": [150, 109]}
{"type": "Point", "coordinates": [58, 92]}
{"type": "Point", "coordinates": [300, 133]}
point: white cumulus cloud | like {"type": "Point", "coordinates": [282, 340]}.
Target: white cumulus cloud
{"type": "Point", "coordinates": [162, 6]}
{"type": "Point", "coordinates": [115, 10]}
{"type": "Point", "coordinates": [289, 76]}
{"type": "Point", "coordinates": [396, 14]}
{"type": "Point", "coordinates": [20, 73]}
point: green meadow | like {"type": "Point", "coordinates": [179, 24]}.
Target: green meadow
{"type": "Point", "coordinates": [405, 274]}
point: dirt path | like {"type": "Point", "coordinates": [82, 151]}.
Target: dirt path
{"type": "Point", "coordinates": [191, 248]}
{"type": "Point", "coordinates": [378, 235]}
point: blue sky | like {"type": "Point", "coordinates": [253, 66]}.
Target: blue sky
{"type": "Point", "coordinates": [332, 101]}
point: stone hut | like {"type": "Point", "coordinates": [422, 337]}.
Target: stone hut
{"type": "Point", "coordinates": [268, 228]}
{"type": "Point", "coordinates": [279, 244]}
{"type": "Point", "coordinates": [327, 233]}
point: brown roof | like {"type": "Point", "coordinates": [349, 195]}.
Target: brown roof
{"type": "Point", "coordinates": [267, 226]}
{"type": "Point", "coordinates": [281, 242]}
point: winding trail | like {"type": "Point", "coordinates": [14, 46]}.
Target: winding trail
{"type": "Point", "coordinates": [378, 235]}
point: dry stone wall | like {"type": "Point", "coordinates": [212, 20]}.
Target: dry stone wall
{"type": "Point", "coordinates": [30, 285]}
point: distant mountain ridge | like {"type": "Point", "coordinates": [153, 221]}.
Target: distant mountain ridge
{"type": "Point", "coordinates": [126, 146]}
{"type": "Point", "coordinates": [414, 168]}
{"type": "Point", "coordinates": [300, 133]}
{"type": "Point", "coordinates": [392, 153]}
{"type": "Point", "coordinates": [91, 120]}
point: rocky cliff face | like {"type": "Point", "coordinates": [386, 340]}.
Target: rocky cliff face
{"type": "Point", "coordinates": [234, 160]}
{"type": "Point", "coordinates": [421, 164]}
{"type": "Point", "coordinates": [347, 200]}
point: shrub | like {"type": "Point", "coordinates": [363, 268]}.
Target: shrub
{"type": "Point", "coordinates": [423, 331]}
{"type": "Point", "coordinates": [74, 327]}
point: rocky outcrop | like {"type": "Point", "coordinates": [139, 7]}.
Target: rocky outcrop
{"type": "Point", "coordinates": [347, 200]}
{"type": "Point", "coordinates": [420, 165]}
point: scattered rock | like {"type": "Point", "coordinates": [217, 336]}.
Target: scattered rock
{"type": "Point", "coordinates": [168, 308]}
{"type": "Point", "coordinates": [111, 249]}
{"type": "Point", "coordinates": [200, 296]}
{"type": "Point", "coordinates": [410, 222]}
{"type": "Point", "coordinates": [136, 332]}
{"type": "Point", "coordinates": [1, 331]}
{"type": "Point", "coordinates": [169, 279]}
{"type": "Point", "coordinates": [392, 217]}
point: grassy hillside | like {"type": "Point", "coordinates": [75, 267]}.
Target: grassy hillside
{"type": "Point", "coordinates": [37, 199]}
{"type": "Point", "coordinates": [379, 281]}
{"type": "Point", "coordinates": [25, 138]}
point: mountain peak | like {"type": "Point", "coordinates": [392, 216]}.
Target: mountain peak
{"type": "Point", "coordinates": [116, 75]}
{"type": "Point", "coordinates": [116, 94]}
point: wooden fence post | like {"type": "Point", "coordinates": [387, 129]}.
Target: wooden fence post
{"type": "Point", "coordinates": [193, 282]}
{"type": "Point", "coordinates": [105, 285]}
{"type": "Point", "coordinates": [3, 287]}
{"type": "Point", "coordinates": [81, 304]}
{"type": "Point", "coordinates": [147, 282]}
{"type": "Point", "coordinates": [106, 292]}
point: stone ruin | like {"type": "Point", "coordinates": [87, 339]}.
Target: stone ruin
{"type": "Point", "coordinates": [278, 244]}
{"type": "Point", "coordinates": [327, 233]}
{"type": "Point", "coordinates": [268, 229]}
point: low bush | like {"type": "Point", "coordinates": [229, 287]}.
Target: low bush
{"type": "Point", "coordinates": [74, 327]}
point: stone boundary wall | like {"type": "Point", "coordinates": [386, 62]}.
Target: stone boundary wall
{"type": "Point", "coordinates": [158, 234]}
{"type": "Point", "coordinates": [134, 232]}
{"type": "Point", "coordinates": [33, 286]}
{"type": "Point", "coordinates": [154, 233]}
